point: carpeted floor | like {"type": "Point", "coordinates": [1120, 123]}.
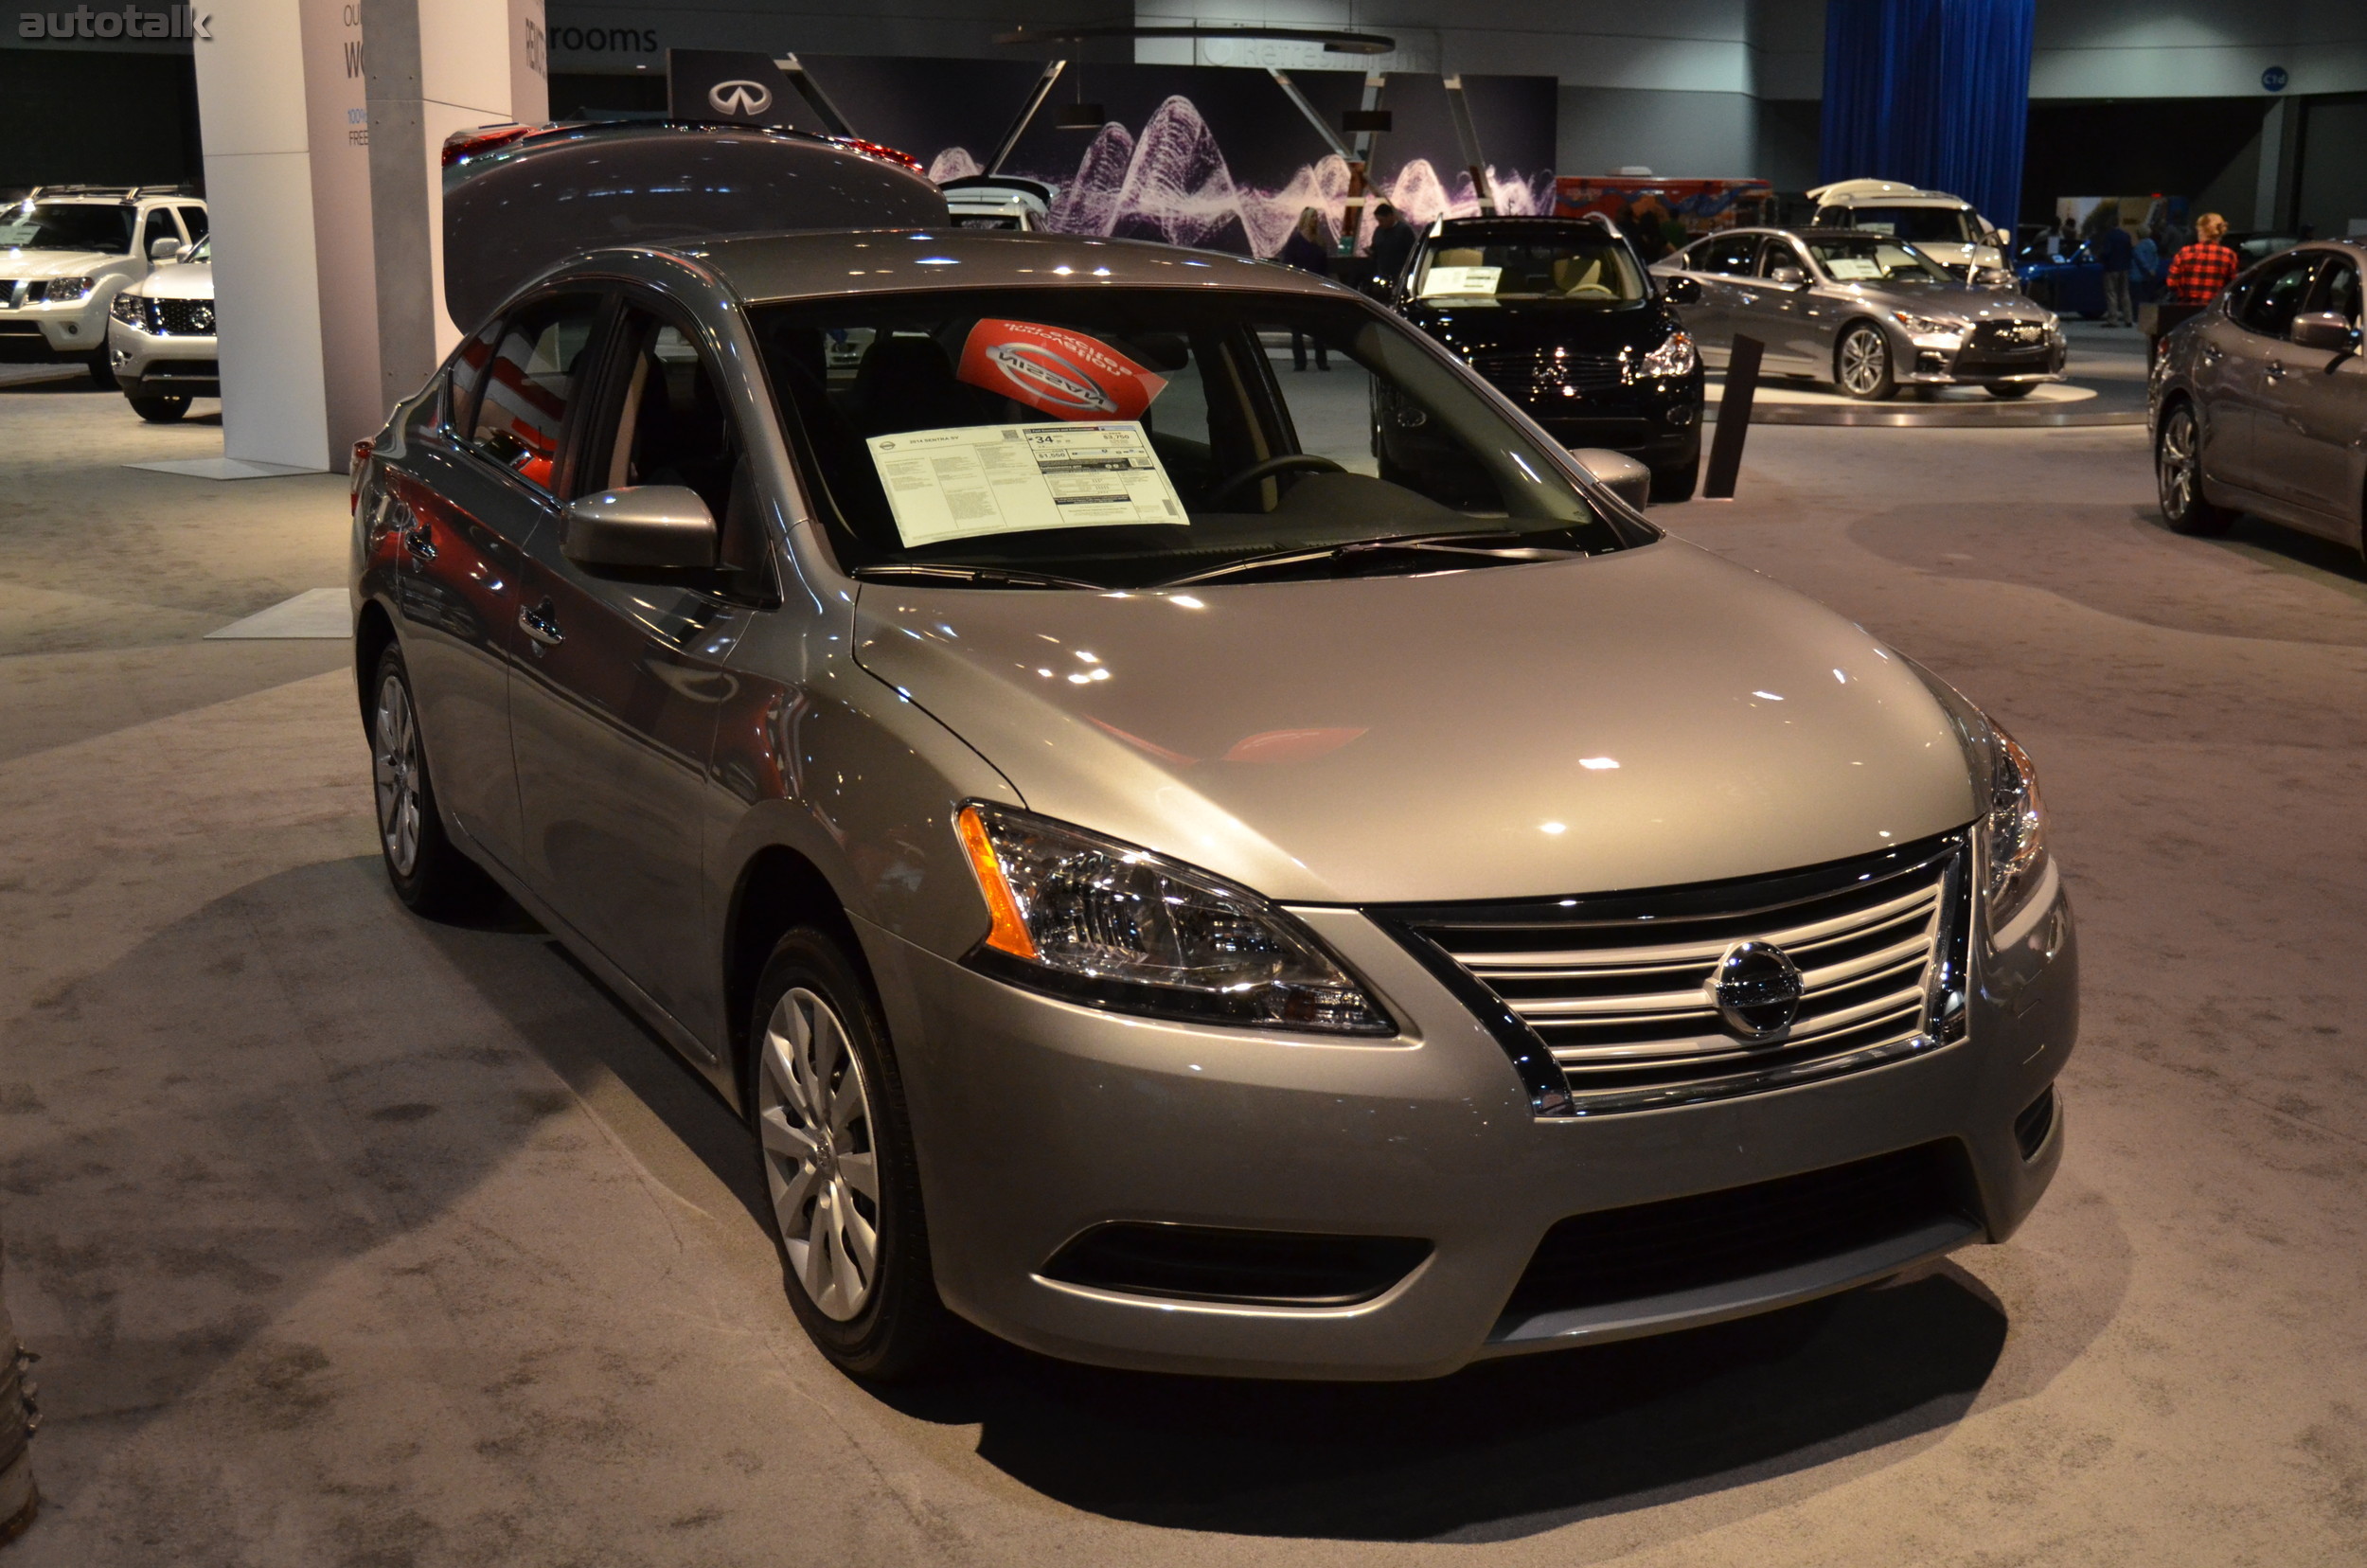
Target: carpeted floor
{"type": "Point", "coordinates": [354, 1240]}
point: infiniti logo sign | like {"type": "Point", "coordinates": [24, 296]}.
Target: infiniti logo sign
{"type": "Point", "coordinates": [741, 98]}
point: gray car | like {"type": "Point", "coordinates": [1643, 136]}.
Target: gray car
{"type": "Point", "coordinates": [1156, 889]}
{"type": "Point", "coordinates": [2258, 404]}
{"type": "Point", "coordinates": [1866, 311]}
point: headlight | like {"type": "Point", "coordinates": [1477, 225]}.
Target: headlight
{"type": "Point", "coordinates": [68, 288]}
{"type": "Point", "coordinates": [126, 308]}
{"type": "Point", "coordinates": [1924, 326]}
{"type": "Point", "coordinates": [2011, 828]}
{"type": "Point", "coordinates": [1112, 926]}
{"type": "Point", "coordinates": [1673, 358]}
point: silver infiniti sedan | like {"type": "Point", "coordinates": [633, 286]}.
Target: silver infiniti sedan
{"type": "Point", "coordinates": [1156, 889]}
{"type": "Point", "coordinates": [1866, 311]}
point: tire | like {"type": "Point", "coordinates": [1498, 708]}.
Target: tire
{"type": "Point", "coordinates": [1862, 364]}
{"type": "Point", "coordinates": [1675, 481]}
{"type": "Point", "coordinates": [2010, 390]}
{"type": "Point", "coordinates": [819, 1063]}
{"type": "Point", "coordinates": [102, 373]}
{"type": "Point", "coordinates": [430, 874]}
{"type": "Point", "coordinates": [2177, 475]}
{"type": "Point", "coordinates": [160, 410]}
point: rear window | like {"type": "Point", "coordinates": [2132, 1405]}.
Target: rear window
{"type": "Point", "coordinates": [1945, 225]}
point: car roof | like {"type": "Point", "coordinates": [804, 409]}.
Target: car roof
{"type": "Point", "coordinates": [761, 268]}
{"type": "Point", "coordinates": [1828, 232]}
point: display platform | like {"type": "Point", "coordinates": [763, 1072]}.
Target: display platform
{"type": "Point", "coordinates": [1790, 402]}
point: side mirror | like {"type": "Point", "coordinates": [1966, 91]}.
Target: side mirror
{"type": "Point", "coordinates": [643, 527]}
{"type": "Point", "coordinates": [1618, 474]}
{"type": "Point", "coordinates": [164, 250]}
{"type": "Point", "coordinates": [2324, 329]}
{"type": "Point", "coordinates": [1684, 291]}
{"type": "Point", "coordinates": [1790, 277]}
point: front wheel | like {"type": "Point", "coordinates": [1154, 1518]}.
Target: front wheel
{"type": "Point", "coordinates": [1862, 364]}
{"type": "Point", "coordinates": [160, 410]}
{"type": "Point", "coordinates": [2010, 390]}
{"type": "Point", "coordinates": [829, 1107]}
{"type": "Point", "coordinates": [2178, 472]}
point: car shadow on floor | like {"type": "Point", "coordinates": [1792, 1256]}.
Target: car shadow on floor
{"type": "Point", "coordinates": [1504, 1450]}
{"type": "Point", "coordinates": [2339, 566]}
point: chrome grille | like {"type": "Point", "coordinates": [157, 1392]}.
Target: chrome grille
{"type": "Point", "coordinates": [180, 317]}
{"type": "Point", "coordinates": [1540, 372]}
{"type": "Point", "coordinates": [7, 293]}
{"type": "Point", "coordinates": [2010, 336]}
{"type": "Point", "coordinates": [1606, 1002]}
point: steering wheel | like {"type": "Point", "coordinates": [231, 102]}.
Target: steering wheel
{"type": "Point", "coordinates": [1267, 469]}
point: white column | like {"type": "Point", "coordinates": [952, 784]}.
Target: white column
{"type": "Point", "coordinates": [436, 66]}
{"type": "Point", "coordinates": [280, 104]}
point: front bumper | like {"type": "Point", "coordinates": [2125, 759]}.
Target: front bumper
{"type": "Point", "coordinates": [1036, 1120]}
{"type": "Point", "coordinates": [150, 365]}
{"type": "Point", "coordinates": [1951, 362]}
{"type": "Point", "coordinates": [63, 331]}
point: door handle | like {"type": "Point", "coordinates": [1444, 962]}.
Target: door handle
{"type": "Point", "coordinates": [418, 541]}
{"type": "Point", "coordinates": [2210, 353]}
{"type": "Point", "coordinates": [2273, 369]}
{"type": "Point", "coordinates": [541, 624]}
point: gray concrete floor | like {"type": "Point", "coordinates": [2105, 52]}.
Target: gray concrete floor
{"type": "Point", "coordinates": [351, 1239]}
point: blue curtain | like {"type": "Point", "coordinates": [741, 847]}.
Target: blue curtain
{"type": "Point", "coordinates": [1933, 93]}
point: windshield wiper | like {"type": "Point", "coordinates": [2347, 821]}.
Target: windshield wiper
{"type": "Point", "coordinates": [1438, 543]}
{"type": "Point", "coordinates": [999, 577]}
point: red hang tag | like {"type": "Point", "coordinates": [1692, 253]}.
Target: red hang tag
{"type": "Point", "coordinates": [1065, 374]}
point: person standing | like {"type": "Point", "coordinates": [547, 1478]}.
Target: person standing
{"type": "Point", "coordinates": [1392, 242]}
{"type": "Point", "coordinates": [2116, 251]}
{"type": "Point", "coordinates": [2145, 269]}
{"type": "Point", "coordinates": [1305, 251]}
{"type": "Point", "coordinates": [2199, 271]}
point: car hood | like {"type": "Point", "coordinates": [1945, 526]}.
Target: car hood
{"type": "Point", "coordinates": [1970, 301]}
{"type": "Point", "coordinates": [183, 280]}
{"type": "Point", "coordinates": [1650, 716]}
{"type": "Point", "coordinates": [55, 263]}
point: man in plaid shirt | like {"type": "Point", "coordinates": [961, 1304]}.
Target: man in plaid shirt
{"type": "Point", "coordinates": [2198, 271]}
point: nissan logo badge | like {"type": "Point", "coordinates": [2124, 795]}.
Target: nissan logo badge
{"type": "Point", "coordinates": [1756, 988]}
{"type": "Point", "coordinates": [740, 98]}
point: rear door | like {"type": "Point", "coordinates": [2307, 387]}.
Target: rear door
{"type": "Point", "coordinates": [463, 513]}
{"type": "Point", "coordinates": [2313, 412]}
{"type": "Point", "coordinates": [619, 679]}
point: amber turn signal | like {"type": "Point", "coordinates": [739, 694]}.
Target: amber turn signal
{"type": "Point", "coordinates": [1008, 934]}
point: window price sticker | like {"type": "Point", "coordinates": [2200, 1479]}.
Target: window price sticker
{"type": "Point", "coordinates": [976, 480]}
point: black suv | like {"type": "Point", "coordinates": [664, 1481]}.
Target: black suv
{"type": "Point", "coordinates": [1561, 314]}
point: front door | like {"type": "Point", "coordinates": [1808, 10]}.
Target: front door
{"type": "Point", "coordinates": [619, 681]}
{"type": "Point", "coordinates": [2312, 409]}
{"type": "Point", "coordinates": [1793, 313]}
{"type": "Point", "coordinates": [2238, 348]}
{"type": "Point", "coordinates": [1716, 263]}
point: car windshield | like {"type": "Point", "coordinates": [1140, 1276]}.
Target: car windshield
{"type": "Point", "coordinates": [1869, 259]}
{"type": "Point", "coordinates": [67, 226]}
{"type": "Point", "coordinates": [1125, 437]}
{"type": "Point", "coordinates": [1937, 225]}
{"type": "Point", "coordinates": [1583, 268]}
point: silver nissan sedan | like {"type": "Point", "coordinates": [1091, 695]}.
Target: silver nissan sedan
{"type": "Point", "coordinates": [1163, 885]}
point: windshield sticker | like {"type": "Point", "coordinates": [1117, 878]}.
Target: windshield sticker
{"type": "Point", "coordinates": [1061, 372]}
{"type": "Point", "coordinates": [1851, 269]}
{"type": "Point", "coordinates": [1460, 280]}
{"type": "Point", "coordinates": [975, 480]}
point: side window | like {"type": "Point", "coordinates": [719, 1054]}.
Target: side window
{"type": "Point", "coordinates": [1780, 253]}
{"type": "Point", "coordinates": [158, 227]}
{"type": "Point", "coordinates": [528, 385]}
{"type": "Point", "coordinates": [468, 374]}
{"type": "Point", "coordinates": [194, 220]}
{"type": "Point", "coordinates": [1733, 254]}
{"type": "Point", "coordinates": [671, 424]}
{"type": "Point", "coordinates": [2337, 290]}
{"type": "Point", "coordinates": [2274, 297]}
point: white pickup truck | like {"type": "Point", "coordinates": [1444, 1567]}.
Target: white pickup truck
{"type": "Point", "coordinates": [66, 252]}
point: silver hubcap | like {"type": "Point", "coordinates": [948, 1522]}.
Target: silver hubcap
{"type": "Point", "coordinates": [1865, 357]}
{"type": "Point", "coordinates": [2177, 466]}
{"type": "Point", "coordinates": [395, 767]}
{"type": "Point", "coordinates": [819, 1160]}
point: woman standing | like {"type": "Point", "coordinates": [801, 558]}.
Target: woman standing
{"type": "Point", "coordinates": [1305, 251]}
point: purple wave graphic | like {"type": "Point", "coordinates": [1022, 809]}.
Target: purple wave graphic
{"type": "Point", "coordinates": [1171, 183]}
